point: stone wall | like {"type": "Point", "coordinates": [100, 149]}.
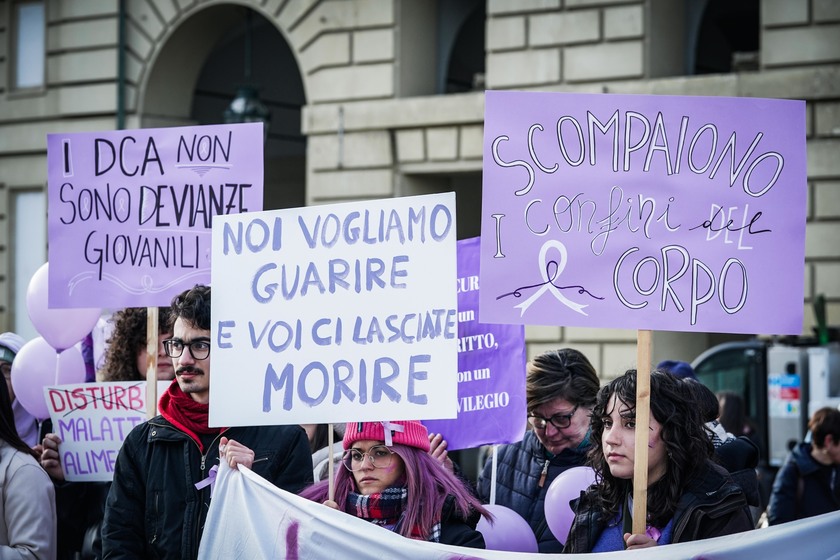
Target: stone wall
{"type": "Point", "coordinates": [374, 127]}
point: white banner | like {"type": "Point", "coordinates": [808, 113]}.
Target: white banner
{"type": "Point", "coordinates": [251, 518]}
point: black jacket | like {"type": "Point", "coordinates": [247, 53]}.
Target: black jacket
{"type": "Point", "coordinates": [79, 508]}
{"type": "Point", "coordinates": [519, 469]}
{"type": "Point", "coordinates": [153, 509]}
{"type": "Point", "coordinates": [740, 456]}
{"type": "Point", "coordinates": [457, 531]}
{"type": "Point", "coordinates": [711, 506]}
{"type": "Point", "coordinates": [819, 491]}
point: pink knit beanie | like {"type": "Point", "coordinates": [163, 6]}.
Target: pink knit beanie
{"type": "Point", "coordinates": [406, 432]}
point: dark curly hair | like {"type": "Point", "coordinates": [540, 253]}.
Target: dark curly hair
{"type": "Point", "coordinates": [704, 398]}
{"type": "Point", "coordinates": [686, 444]}
{"type": "Point", "coordinates": [128, 338]}
{"type": "Point", "coordinates": [564, 373]}
{"type": "Point", "coordinates": [193, 306]}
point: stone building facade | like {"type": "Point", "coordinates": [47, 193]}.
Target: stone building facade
{"type": "Point", "coordinates": [382, 98]}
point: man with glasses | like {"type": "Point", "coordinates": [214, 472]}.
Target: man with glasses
{"type": "Point", "coordinates": [561, 387]}
{"type": "Point", "coordinates": [158, 502]}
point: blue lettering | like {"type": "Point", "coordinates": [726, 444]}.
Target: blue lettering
{"type": "Point", "coordinates": [417, 375]}
{"type": "Point", "coordinates": [225, 335]}
{"type": "Point", "coordinates": [381, 383]}
{"type": "Point", "coordinates": [304, 396]}
{"type": "Point", "coordinates": [274, 383]}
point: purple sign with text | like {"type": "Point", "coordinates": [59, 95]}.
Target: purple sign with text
{"type": "Point", "coordinates": [643, 212]}
{"type": "Point", "coordinates": [491, 369]}
{"type": "Point", "coordinates": [130, 211]}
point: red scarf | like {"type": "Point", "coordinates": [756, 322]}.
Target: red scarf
{"type": "Point", "coordinates": [186, 414]}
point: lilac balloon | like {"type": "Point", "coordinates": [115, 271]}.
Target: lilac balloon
{"type": "Point", "coordinates": [61, 328]}
{"type": "Point", "coordinates": [38, 365]}
{"type": "Point", "coordinates": [508, 531]}
{"type": "Point", "coordinates": [566, 487]}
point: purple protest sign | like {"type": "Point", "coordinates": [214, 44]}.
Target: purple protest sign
{"type": "Point", "coordinates": [130, 211]}
{"type": "Point", "coordinates": [643, 212]}
{"type": "Point", "coordinates": [491, 369]}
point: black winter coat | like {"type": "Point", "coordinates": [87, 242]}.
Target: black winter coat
{"type": "Point", "coordinates": [820, 488]}
{"type": "Point", "coordinates": [712, 506]}
{"type": "Point", "coordinates": [519, 469]}
{"type": "Point", "coordinates": [457, 531]}
{"type": "Point", "coordinates": [153, 509]}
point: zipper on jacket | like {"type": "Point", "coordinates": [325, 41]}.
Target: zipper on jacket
{"type": "Point", "coordinates": [157, 516]}
{"type": "Point", "coordinates": [204, 455]}
{"type": "Point", "coordinates": [544, 473]}
{"type": "Point", "coordinates": [197, 528]}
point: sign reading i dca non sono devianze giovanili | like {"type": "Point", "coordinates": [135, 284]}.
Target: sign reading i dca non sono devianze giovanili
{"type": "Point", "coordinates": [335, 313]}
{"type": "Point", "coordinates": [130, 211]}
{"type": "Point", "coordinates": [643, 212]}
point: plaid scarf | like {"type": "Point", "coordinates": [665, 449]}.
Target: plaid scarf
{"type": "Point", "coordinates": [386, 509]}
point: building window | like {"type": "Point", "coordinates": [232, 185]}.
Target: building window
{"type": "Point", "coordinates": [29, 47]}
{"type": "Point", "coordinates": [727, 36]}
{"type": "Point", "coordinates": [28, 251]}
{"type": "Point", "coordinates": [461, 46]}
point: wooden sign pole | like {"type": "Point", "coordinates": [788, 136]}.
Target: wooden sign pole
{"type": "Point", "coordinates": [640, 466]}
{"type": "Point", "coordinates": [151, 360]}
{"type": "Point", "coordinates": [330, 466]}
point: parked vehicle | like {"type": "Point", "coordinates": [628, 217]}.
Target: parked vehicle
{"type": "Point", "coordinates": [782, 383]}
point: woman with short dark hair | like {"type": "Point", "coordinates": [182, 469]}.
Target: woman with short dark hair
{"type": "Point", "coordinates": [560, 390]}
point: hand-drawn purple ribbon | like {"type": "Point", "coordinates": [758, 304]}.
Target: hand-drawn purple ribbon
{"type": "Point", "coordinates": [549, 286]}
{"type": "Point", "coordinates": [209, 481]}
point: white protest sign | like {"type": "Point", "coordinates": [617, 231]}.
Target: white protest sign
{"type": "Point", "coordinates": [92, 420]}
{"type": "Point", "coordinates": [335, 313]}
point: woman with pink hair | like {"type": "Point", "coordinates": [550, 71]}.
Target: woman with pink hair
{"type": "Point", "coordinates": [389, 479]}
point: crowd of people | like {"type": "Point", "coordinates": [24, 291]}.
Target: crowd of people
{"type": "Point", "coordinates": [393, 473]}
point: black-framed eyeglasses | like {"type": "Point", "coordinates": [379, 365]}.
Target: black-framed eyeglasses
{"type": "Point", "coordinates": [559, 421]}
{"type": "Point", "coordinates": [199, 348]}
{"type": "Point", "coordinates": [6, 370]}
{"type": "Point", "coordinates": [379, 455]}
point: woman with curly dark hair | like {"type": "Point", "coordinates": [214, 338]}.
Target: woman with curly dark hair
{"type": "Point", "coordinates": [126, 357]}
{"type": "Point", "coordinates": [689, 497]}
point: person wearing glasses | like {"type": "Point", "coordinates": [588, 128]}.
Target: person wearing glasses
{"type": "Point", "coordinates": [390, 480]}
{"type": "Point", "coordinates": [160, 495]}
{"type": "Point", "coordinates": [689, 497]}
{"type": "Point", "coordinates": [560, 390]}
